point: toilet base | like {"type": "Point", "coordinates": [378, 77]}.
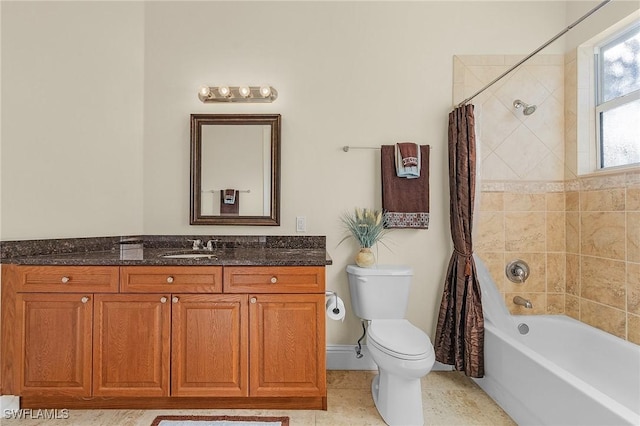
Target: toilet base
{"type": "Point", "coordinates": [398, 400]}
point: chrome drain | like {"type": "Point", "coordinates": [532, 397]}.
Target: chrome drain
{"type": "Point", "coordinates": [523, 328]}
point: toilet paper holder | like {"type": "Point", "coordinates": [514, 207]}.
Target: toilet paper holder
{"type": "Point", "coordinates": [335, 295]}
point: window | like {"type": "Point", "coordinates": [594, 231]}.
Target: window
{"type": "Point", "coordinates": [618, 99]}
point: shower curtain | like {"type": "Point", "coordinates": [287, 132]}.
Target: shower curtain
{"type": "Point", "coordinates": [460, 331]}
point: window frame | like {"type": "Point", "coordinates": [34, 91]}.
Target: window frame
{"type": "Point", "coordinates": [601, 106]}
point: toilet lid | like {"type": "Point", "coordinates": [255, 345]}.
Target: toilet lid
{"type": "Point", "coordinates": [399, 338]}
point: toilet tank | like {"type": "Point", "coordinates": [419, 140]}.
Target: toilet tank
{"type": "Point", "coordinates": [381, 292]}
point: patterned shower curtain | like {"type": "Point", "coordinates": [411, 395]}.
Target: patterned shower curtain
{"type": "Point", "coordinates": [460, 332]}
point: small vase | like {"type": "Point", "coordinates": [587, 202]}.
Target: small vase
{"type": "Point", "coordinates": [365, 258]}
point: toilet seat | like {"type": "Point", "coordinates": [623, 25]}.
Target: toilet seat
{"type": "Point", "coordinates": [399, 339]}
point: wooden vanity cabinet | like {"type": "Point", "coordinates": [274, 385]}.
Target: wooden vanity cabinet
{"type": "Point", "coordinates": [164, 336]}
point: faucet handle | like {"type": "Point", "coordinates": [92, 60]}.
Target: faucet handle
{"type": "Point", "coordinates": [517, 271]}
{"type": "Point", "coordinates": [212, 243]}
{"type": "Point", "coordinates": [197, 244]}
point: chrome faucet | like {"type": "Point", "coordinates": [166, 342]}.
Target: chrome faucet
{"type": "Point", "coordinates": [197, 244]}
{"type": "Point", "coordinates": [522, 302]}
{"type": "Point", "coordinates": [211, 244]}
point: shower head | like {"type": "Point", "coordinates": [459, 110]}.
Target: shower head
{"type": "Point", "coordinates": [526, 108]}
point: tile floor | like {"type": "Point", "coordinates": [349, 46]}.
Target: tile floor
{"type": "Point", "coordinates": [449, 398]}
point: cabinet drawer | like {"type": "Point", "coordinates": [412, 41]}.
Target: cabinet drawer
{"type": "Point", "coordinates": [175, 279]}
{"type": "Point", "coordinates": [270, 279]}
{"type": "Point", "coordinates": [66, 279]}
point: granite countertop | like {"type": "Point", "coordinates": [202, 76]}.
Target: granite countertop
{"type": "Point", "coordinates": [148, 250]}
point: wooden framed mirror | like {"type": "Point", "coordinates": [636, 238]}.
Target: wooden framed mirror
{"type": "Point", "coordinates": [235, 169]}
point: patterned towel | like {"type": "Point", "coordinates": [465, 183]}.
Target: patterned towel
{"type": "Point", "coordinates": [405, 201]}
{"type": "Point", "coordinates": [407, 160]}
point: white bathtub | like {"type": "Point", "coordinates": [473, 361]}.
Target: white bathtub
{"type": "Point", "coordinates": [562, 372]}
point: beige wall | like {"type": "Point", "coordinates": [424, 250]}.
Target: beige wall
{"type": "Point", "coordinates": [607, 16]}
{"type": "Point", "coordinates": [72, 85]}
{"type": "Point", "coordinates": [348, 73]}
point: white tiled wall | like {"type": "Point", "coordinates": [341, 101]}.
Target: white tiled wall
{"type": "Point", "coordinates": [514, 146]}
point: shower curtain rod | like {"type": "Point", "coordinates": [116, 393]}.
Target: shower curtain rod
{"type": "Point", "coordinates": [557, 36]}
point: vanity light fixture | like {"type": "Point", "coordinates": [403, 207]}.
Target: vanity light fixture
{"type": "Point", "coordinates": [244, 91]}
{"type": "Point", "coordinates": [237, 94]}
{"type": "Point", "coordinates": [224, 91]}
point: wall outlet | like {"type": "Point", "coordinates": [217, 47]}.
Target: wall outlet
{"type": "Point", "coordinates": [301, 224]}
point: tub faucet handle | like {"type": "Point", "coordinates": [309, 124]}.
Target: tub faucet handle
{"type": "Point", "coordinates": [517, 271]}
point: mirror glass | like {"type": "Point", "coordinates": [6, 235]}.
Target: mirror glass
{"type": "Point", "coordinates": [235, 169]}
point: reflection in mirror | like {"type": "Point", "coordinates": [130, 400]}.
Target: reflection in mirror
{"type": "Point", "coordinates": [235, 169]}
{"type": "Point", "coordinates": [237, 158]}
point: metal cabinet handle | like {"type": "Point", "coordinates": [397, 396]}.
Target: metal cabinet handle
{"type": "Point", "coordinates": [274, 280]}
{"type": "Point", "coordinates": [254, 300]}
{"type": "Point", "coordinates": [65, 280]}
{"type": "Point", "coordinates": [84, 299]}
{"type": "Point", "coordinates": [169, 280]}
{"type": "Point", "coordinates": [163, 299]}
{"type": "Point", "coordinates": [175, 299]}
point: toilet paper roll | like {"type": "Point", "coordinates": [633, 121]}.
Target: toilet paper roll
{"type": "Point", "coordinates": [335, 308]}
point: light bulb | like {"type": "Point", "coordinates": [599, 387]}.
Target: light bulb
{"type": "Point", "coordinates": [245, 91]}
{"type": "Point", "coordinates": [224, 91]}
{"type": "Point", "coordinates": [205, 91]}
{"type": "Point", "coordinates": [265, 91]}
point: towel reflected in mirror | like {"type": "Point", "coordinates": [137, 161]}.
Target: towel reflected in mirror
{"type": "Point", "coordinates": [229, 202]}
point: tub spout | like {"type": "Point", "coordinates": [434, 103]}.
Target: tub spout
{"type": "Point", "coordinates": [522, 302]}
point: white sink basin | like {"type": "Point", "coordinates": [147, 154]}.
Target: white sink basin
{"type": "Point", "coordinates": [190, 256]}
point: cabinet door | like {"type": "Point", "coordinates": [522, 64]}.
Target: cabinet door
{"type": "Point", "coordinates": [55, 344]}
{"type": "Point", "coordinates": [287, 345]}
{"type": "Point", "coordinates": [132, 345]}
{"type": "Point", "coordinates": [209, 345]}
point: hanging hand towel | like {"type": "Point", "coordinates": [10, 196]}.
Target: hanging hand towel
{"type": "Point", "coordinates": [407, 155]}
{"type": "Point", "coordinates": [405, 201]}
{"type": "Point", "coordinates": [229, 202]}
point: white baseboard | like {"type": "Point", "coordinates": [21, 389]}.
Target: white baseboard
{"type": "Point", "coordinates": [9, 402]}
{"type": "Point", "coordinates": [343, 357]}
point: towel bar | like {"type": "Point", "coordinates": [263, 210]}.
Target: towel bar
{"type": "Point", "coordinates": [217, 190]}
{"type": "Point", "coordinates": [346, 148]}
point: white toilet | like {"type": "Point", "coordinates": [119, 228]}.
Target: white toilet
{"type": "Point", "coordinates": [402, 351]}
